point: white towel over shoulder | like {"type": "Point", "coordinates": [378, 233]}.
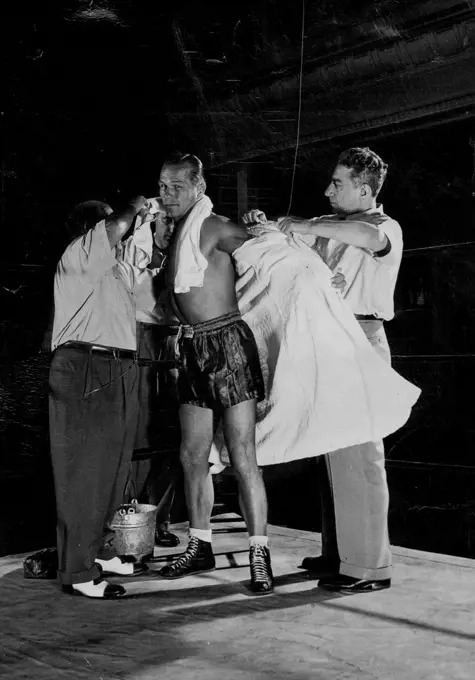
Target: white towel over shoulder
{"type": "Point", "coordinates": [191, 263]}
{"type": "Point", "coordinates": [326, 387]}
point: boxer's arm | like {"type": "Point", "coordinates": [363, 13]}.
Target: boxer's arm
{"type": "Point", "coordinates": [223, 234]}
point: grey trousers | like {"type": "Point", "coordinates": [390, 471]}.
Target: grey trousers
{"type": "Point", "coordinates": [360, 498]}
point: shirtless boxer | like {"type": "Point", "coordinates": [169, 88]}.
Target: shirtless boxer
{"type": "Point", "coordinates": [220, 377]}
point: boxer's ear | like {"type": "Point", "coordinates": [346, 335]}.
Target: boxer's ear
{"type": "Point", "coordinates": [201, 187]}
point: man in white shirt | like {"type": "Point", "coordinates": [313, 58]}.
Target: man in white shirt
{"type": "Point", "coordinates": [365, 245]}
{"type": "Point", "coordinates": [93, 398]}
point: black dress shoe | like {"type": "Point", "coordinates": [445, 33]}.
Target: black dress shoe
{"type": "Point", "coordinates": [111, 592]}
{"type": "Point", "coordinates": [348, 584]}
{"type": "Point", "coordinates": [197, 558]}
{"type": "Point", "coordinates": [165, 539]}
{"type": "Point", "coordinates": [321, 567]}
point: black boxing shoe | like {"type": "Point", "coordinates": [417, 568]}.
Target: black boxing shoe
{"type": "Point", "coordinates": [197, 558]}
{"type": "Point", "coordinates": [262, 579]}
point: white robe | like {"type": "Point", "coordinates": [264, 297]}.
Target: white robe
{"type": "Point", "coordinates": [326, 388]}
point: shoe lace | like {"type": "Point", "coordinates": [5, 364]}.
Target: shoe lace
{"type": "Point", "coordinates": [258, 562]}
{"type": "Point", "coordinates": [190, 552]}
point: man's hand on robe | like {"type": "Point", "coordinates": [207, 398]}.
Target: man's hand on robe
{"type": "Point", "coordinates": [338, 281]}
{"type": "Point", "coordinates": [254, 217]}
{"type": "Point", "coordinates": [293, 225]}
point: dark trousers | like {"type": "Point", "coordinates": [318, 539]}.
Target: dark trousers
{"type": "Point", "coordinates": [156, 471]}
{"type": "Point", "coordinates": [158, 420]}
{"type": "Point", "coordinates": [93, 414]}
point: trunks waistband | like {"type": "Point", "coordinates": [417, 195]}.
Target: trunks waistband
{"type": "Point", "coordinates": [116, 352]}
{"type": "Point", "coordinates": [189, 330]}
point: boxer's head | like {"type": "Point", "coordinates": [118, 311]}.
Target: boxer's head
{"type": "Point", "coordinates": [356, 181]}
{"type": "Point", "coordinates": [181, 184]}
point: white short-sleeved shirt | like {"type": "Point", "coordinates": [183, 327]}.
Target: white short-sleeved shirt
{"type": "Point", "coordinates": [94, 294]}
{"type": "Point", "coordinates": [370, 277]}
{"type": "Point", "coordinates": [137, 250]}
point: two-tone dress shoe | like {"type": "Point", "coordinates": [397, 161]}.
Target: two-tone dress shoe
{"type": "Point", "coordinates": [96, 590]}
{"type": "Point", "coordinates": [121, 567]}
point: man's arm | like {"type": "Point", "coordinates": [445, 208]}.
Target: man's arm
{"type": "Point", "coordinates": [118, 224]}
{"type": "Point", "coordinates": [357, 233]}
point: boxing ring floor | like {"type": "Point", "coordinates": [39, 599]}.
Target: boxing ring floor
{"type": "Point", "coordinates": [210, 627]}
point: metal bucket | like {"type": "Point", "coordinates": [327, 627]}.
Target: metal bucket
{"type": "Point", "coordinates": [134, 527]}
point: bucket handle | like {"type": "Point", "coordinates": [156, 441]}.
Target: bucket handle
{"type": "Point", "coordinates": [130, 511]}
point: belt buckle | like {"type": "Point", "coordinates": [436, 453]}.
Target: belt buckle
{"type": "Point", "coordinates": [98, 348]}
{"type": "Point", "coordinates": [188, 332]}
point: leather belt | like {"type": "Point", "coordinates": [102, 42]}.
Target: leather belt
{"type": "Point", "coordinates": [160, 364]}
{"type": "Point", "coordinates": [367, 317]}
{"type": "Point", "coordinates": [160, 329]}
{"type": "Point", "coordinates": [116, 352]}
{"type": "Point", "coordinates": [166, 330]}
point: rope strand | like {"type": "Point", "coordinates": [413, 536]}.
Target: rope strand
{"type": "Point", "coordinates": [439, 246]}
{"type": "Point", "coordinates": [302, 40]}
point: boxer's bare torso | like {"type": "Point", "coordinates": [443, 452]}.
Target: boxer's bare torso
{"type": "Point", "coordinates": [217, 297]}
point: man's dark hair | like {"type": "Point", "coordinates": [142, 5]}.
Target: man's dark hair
{"type": "Point", "coordinates": [366, 167]}
{"type": "Point", "coordinates": [188, 160]}
{"type": "Point", "coordinates": [84, 217]}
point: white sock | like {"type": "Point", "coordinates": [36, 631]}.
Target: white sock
{"type": "Point", "coordinates": [116, 566]}
{"type": "Point", "coordinates": [202, 534]}
{"type": "Point", "coordinates": [91, 589]}
{"type": "Point", "coordinates": [258, 540]}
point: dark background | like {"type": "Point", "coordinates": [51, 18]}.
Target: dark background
{"type": "Point", "coordinates": [96, 94]}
